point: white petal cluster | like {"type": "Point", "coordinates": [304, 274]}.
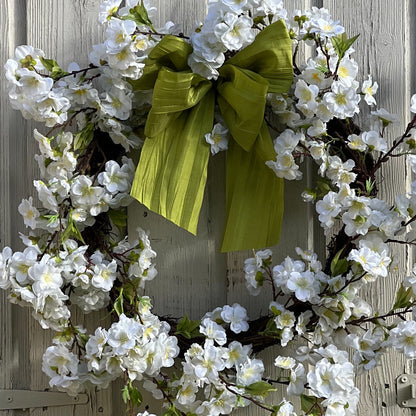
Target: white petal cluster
{"type": "Point", "coordinates": [31, 91]}
{"type": "Point", "coordinates": [254, 269]}
{"type": "Point", "coordinates": [228, 27]}
{"type": "Point", "coordinates": [218, 138]}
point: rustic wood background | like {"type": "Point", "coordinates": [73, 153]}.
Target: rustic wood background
{"type": "Point", "coordinates": [193, 276]}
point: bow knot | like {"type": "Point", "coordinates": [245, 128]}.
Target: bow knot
{"type": "Point", "coordinates": [171, 176]}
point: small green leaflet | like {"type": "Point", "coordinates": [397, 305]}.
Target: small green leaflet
{"type": "Point", "coordinates": [125, 395]}
{"type": "Point", "coordinates": [187, 328]}
{"type": "Point", "coordinates": [338, 266]}
{"type": "Point", "coordinates": [135, 395]}
{"type": "Point", "coordinates": [118, 218]}
{"type": "Point", "coordinates": [139, 15]}
{"type": "Point", "coordinates": [259, 278]}
{"type": "Point", "coordinates": [53, 68]}
{"type": "Point", "coordinates": [308, 403]}
{"type": "Point", "coordinates": [260, 388]}
{"type": "Point", "coordinates": [118, 304]}
{"type": "Point", "coordinates": [403, 298]}
{"type": "Point", "coordinates": [271, 330]}
{"type": "Point", "coordinates": [51, 218]}
{"type": "Point", "coordinates": [83, 138]}
{"type": "Point", "coordinates": [341, 44]}
{"type": "Point", "coordinates": [369, 186]}
{"type": "Point", "coordinates": [131, 394]}
{"type": "Point", "coordinates": [71, 230]}
{"type": "Point", "coordinates": [172, 411]}
{"type": "Point", "coordinates": [130, 292]}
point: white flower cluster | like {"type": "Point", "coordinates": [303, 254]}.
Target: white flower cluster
{"type": "Point", "coordinates": [30, 91]}
{"type": "Point", "coordinates": [228, 27]}
{"type": "Point", "coordinates": [137, 347]}
{"type": "Point", "coordinates": [42, 91]}
{"type": "Point", "coordinates": [334, 313]}
{"type": "Point", "coordinates": [64, 189]}
{"type": "Point", "coordinates": [49, 283]}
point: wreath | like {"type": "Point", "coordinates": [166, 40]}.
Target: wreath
{"type": "Point", "coordinates": [237, 84]}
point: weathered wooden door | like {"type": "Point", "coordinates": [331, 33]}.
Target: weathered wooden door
{"type": "Point", "coordinates": [193, 276]}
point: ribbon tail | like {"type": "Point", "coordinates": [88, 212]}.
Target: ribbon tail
{"type": "Point", "coordinates": [171, 176]}
{"type": "Point", "coordinates": [254, 197]}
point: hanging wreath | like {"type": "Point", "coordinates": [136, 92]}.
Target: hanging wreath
{"type": "Point", "coordinates": [237, 84]}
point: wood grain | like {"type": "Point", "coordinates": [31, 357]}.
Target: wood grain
{"type": "Point", "coordinates": [384, 50]}
{"type": "Point", "coordinates": [13, 321]}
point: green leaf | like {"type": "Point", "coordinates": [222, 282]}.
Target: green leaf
{"type": "Point", "coordinates": [339, 266]}
{"type": "Point", "coordinates": [341, 44]}
{"type": "Point", "coordinates": [83, 138]}
{"type": "Point", "coordinates": [259, 278]}
{"type": "Point", "coordinates": [259, 20]}
{"type": "Point", "coordinates": [83, 338]}
{"type": "Point", "coordinates": [65, 335]}
{"type": "Point", "coordinates": [130, 292]}
{"type": "Point", "coordinates": [411, 143]}
{"type": "Point", "coordinates": [139, 15]}
{"type": "Point", "coordinates": [172, 411]}
{"type": "Point", "coordinates": [403, 298]}
{"type": "Point", "coordinates": [187, 328]}
{"type": "Point", "coordinates": [135, 395]}
{"type": "Point", "coordinates": [275, 409]}
{"type": "Point", "coordinates": [51, 218]}
{"type": "Point", "coordinates": [307, 403]}
{"type": "Point", "coordinates": [118, 217]}
{"type": "Point", "coordinates": [271, 330]}
{"type": "Point", "coordinates": [323, 187]}
{"type": "Point", "coordinates": [125, 395]}
{"type": "Point", "coordinates": [369, 186]}
{"type": "Point", "coordinates": [71, 230]}
{"type": "Point", "coordinates": [49, 64]}
{"type": "Point", "coordinates": [53, 68]}
{"type": "Point", "coordinates": [260, 388]}
{"type": "Point", "coordinates": [118, 304]}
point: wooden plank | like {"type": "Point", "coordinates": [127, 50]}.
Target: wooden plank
{"type": "Point", "coordinates": [12, 133]}
{"type": "Point", "coordinates": [383, 49]}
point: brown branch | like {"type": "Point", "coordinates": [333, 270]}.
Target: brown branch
{"type": "Point", "coordinates": [385, 158]}
{"type": "Point", "coordinates": [228, 386]}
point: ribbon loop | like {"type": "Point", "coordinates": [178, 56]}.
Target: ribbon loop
{"type": "Point", "coordinates": [174, 92]}
{"type": "Point", "coordinates": [170, 52]}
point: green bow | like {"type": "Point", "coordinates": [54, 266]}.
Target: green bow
{"type": "Point", "coordinates": [171, 176]}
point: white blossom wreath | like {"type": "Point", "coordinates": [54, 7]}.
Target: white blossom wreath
{"type": "Point", "coordinates": [77, 254]}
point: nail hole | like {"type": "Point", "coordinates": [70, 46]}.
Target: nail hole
{"type": "Point", "coordinates": [387, 386]}
{"type": "Point", "coordinates": [383, 404]}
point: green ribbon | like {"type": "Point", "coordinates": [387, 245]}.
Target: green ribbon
{"type": "Point", "coordinates": [171, 176]}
